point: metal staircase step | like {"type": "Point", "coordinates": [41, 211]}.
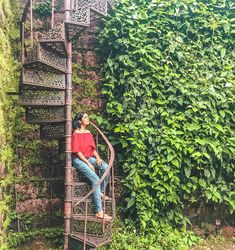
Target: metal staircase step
{"type": "Point", "coordinates": [29, 97]}
{"type": "Point", "coordinates": [77, 241]}
{"type": "Point", "coordinates": [45, 115]}
{"type": "Point", "coordinates": [54, 38]}
{"type": "Point", "coordinates": [77, 177]}
{"type": "Point", "coordinates": [43, 57]}
{"type": "Point", "coordinates": [36, 78]}
{"type": "Point", "coordinates": [94, 226]}
{"type": "Point", "coordinates": [80, 209]}
{"type": "Point", "coordinates": [52, 131]}
{"type": "Point", "coordinates": [74, 29]}
{"type": "Point", "coordinates": [99, 6]}
{"type": "Point", "coordinates": [80, 189]}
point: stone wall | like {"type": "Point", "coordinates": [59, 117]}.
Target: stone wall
{"type": "Point", "coordinates": [38, 165]}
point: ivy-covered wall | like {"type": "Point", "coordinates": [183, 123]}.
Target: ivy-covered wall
{"type": "Point", "coordinates": [169, 85]}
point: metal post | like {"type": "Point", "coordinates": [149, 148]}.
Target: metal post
{"type": "Point", "coordinates": [68, 131]}
{"type": "Point", "coordinates": [31, 23]}
{"type": "Point", "coordinates": [52, 13]}
{"type": "Point", "coordinates": [22, 55]}
{"type": "Point", "coordinates": [85, 228]}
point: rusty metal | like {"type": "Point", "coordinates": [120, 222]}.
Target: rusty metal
{"type": "Point", "coordinates": [46, 92]}
{"type": "Point", "coordinates": [45, 115]}
{"type": "Point", "coordinates": [36, 78]}
{"type": "Point", "coordinates": [31, 23]}
{"type": "Point", "coordinates": [52, 131]}
{"type": "Point", "coordinates": [85, 227]}
{"type": "Point", "coordinates": [40, 97]}
{"type": "Point", "coordinates": [68, 133]}
{"type": "Point", "coordinates": [52, 13]}
{"type": "Point", "coordinates": [22, 55]}
{"type": "Point", "coordinates": [40, 54]}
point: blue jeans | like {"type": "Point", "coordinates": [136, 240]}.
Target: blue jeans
{"type": "Point", "coordinates": [83, 168]}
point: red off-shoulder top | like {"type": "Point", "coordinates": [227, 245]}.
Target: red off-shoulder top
{"type": "Point", "coordinates": [84, 143]}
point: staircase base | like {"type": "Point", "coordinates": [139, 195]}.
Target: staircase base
{"type": "Point", "coordinates": [76, 241]}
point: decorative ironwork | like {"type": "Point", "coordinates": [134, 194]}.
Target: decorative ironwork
{"type": "Point", "coordinates": [45, 115]}
{"type": "Point", "coordinates": [101, 240]}
{"type": "Point", "coordinates": [54, 59]}
{"type": "Point", "coordinates": [58, 46]}
{"type": "Point", "coordinates": [52, 131]}
{"type": "Point", "coordinates": [54, 38]}
{"type": "Point", "coordinates": [75, 244]}
{"type": "Point", "coordinates": [42, 98]}
{"type": "Point", "coordinates": [100, 6]}
{"type": "Point", "coordinates": [57, 33]}
{"type": "Point", "coordinates": [77, 177]}
{"type": "Point", "coordinates": [46, 56]}
{"type": "Point", "coordinates": [85, 4]}
{"type": "Point", "coordinates": [97, 5]}
{"type": "Point", "coordinates": [42, 78]}
{"type": "Point", "coordinates": [80, 189]}
{"type": "Point", "coordinates": [82, 15]}
{"type": "Point", "coordinates": [93, 227]}
{"type": "Point", "coordinates": [80, 209]}
{"type": "Point", "coordinates": [74, 29]}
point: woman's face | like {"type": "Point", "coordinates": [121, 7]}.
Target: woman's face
{"type": "Point", "coordinates": [85, 119]}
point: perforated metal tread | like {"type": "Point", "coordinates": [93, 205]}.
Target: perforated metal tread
{"type": "Point", "coordinates": [89, 218]}
{"type": "Point", "coordinates": [93, 241]}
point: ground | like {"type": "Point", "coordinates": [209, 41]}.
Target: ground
{"type": "Point", "coordinates": [216, 244]}
{"type": "Point", "coordinates": [212, 244]}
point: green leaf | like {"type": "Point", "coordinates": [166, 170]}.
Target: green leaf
{"type": "Point", "coordinates": [187, 172]}
{"type": "Point", "coordinates": [170, 157]}
{"type": "Point", "coordinates": [193, 126]}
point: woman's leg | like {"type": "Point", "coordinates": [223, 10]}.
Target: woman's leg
{"type": "Point", "coordinates": [102, 169]}
{"type": "Point", "coordinates": [82, 167]}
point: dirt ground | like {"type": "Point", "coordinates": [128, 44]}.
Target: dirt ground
{"type": "Point", "coordinates": [216, 245]}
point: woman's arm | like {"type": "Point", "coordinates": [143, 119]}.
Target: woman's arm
{"type": "Point", "coordinates": [98, 159]}
{"type": "Point", "coordinates": [83, 158]}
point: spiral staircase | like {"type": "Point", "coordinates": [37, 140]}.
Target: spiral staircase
{"type": "Point", "coordinates": [45, 92]}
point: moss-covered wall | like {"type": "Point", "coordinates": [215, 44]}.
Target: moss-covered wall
{"type": "Point", "coordinates": [32, 170]}
{"type": "Point", "coordinates": [8, 83]}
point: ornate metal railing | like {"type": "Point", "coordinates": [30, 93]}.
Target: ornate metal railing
{"type": "Point", "coordinates": [108, 171]}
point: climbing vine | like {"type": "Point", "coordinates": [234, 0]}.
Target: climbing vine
{"type": "Point", "coordinates": [169, 87]}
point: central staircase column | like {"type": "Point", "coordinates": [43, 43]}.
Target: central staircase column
{"type": "Point", "coordinates": [68, 132]}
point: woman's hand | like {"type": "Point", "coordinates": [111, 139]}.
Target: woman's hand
{"type": "Point", "coordinates": [99, 161]}
{"type": "Point", "coordinates": [91, 166]}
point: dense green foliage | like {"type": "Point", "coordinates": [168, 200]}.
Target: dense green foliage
{"type": "Point", "coordinates": [169, 86]}
{"type": "Point", "coordinates": [15, 239]}
{"type": "Point", "coordinates": [8, 82]}
{"type": "Point", "coordinates": [125, 237]}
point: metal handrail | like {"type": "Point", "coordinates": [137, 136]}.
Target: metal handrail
{"type": "Point", "coordinates": [110, 164]}
{"type": "Point", "coordinates": [25, 11]}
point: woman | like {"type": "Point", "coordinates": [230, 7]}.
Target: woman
{"type": "Point", "coordinates": [86, 160]}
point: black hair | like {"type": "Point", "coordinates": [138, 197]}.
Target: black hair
{"type": "Point", "coordinates": [77, 120]}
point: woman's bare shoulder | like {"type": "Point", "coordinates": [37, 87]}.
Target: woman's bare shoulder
{"type": "Point", "coordinates": [82, 132]}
